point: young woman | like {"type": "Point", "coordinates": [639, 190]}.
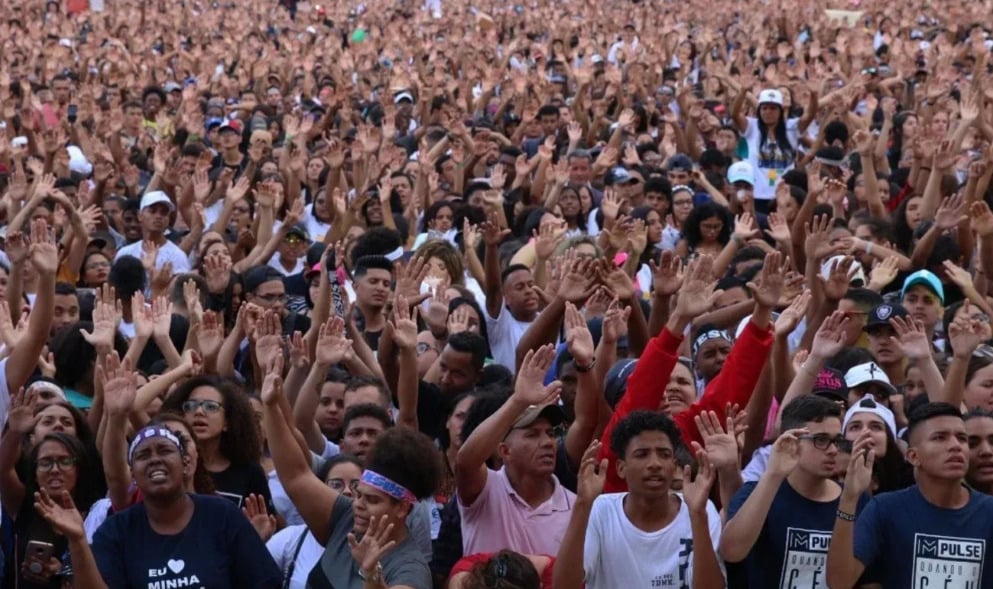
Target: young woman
{"type": "Point", "coordinates": [773, 139]}
{"type": "Point", "coordinates": [295, 550]}
{"type": "Point", "coordinates": [365, 538]}
{"type": "Point", "coordinates": [171, 537]}
{"type": "Point", "coordinates": [94, 270]}
{"type": "Point", "coordinates": [437, 224]}
{"type": "Point", "coordinates": [682, 206]}
{"type": "Point", "coordinates": [225, 428]}
{"type": "Point", "coordinates": [891, 471]}
{"type": "Point", "coordinates": [57, 461]}
{"type": "Point", "coordinates": [706, 231]}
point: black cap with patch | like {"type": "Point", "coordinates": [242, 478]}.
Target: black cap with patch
{"type": "Point", "coordinates": [881, 315]}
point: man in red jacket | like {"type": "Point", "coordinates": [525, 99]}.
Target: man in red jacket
{"type": "Point", "coordinates": [736, 380]}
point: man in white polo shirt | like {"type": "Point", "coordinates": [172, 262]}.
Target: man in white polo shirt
{"type": "Point", "coordinates": [154, 216]}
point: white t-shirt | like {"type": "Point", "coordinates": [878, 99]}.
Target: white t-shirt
{"type": "Point", "coordinates": [168, 252]}
{"type": "Point", "coordinates": [315, 227]}
{"type": "Point", "coordinates": [617, 554]}
{"type": "Point", "coordinates": [282, 547]}
{"type": "Point", "coordinates": [770, 160]}
{"type": "Point", "coordinates": [505, 332]}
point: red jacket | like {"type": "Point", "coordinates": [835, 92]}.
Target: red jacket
{"type": "Point", "coordinates": [646, 387]}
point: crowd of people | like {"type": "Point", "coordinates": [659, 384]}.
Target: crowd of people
{"type": "Point", "coordinates": [495, 295]}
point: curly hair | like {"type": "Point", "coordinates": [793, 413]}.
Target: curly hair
{"type": "Point", "coordinates": [203, 484]}
{"type": "Point", "coordinates": [75, 357]}
{"type": "Point", "coordinates": [408, 457]}
{"type": "Point", "coordinates": [638, 422]}
{"type": "Point", "coordinates": [240, 440]}
{"type": "Point", "coordinates": [504, 570]}
{"type": "Point", "coordinates": [702, 212]}
{"type": "Point", "coordinates": [447, 254]}
{"type": "Point", "coordinates": [90, 483]}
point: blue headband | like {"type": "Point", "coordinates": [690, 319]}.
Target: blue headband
{"type": "Point", "coordinates": [152, 431]}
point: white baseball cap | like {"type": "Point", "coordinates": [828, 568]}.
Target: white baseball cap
{"type": "Point", "coordinates": [866, 373]}
{"type": "Point", "coordinates": [741, 172]}
{"type": "Point", "coordinates": [868, 404]}
{"type": "Point", "coordinates": [772, 96]}
{"type": "Point", "coordinates": [856, 273]}
{"type": "Point", "coordinates": [155, 197]}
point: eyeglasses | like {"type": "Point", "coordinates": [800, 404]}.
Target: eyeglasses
{"type": "Point", "coordinates": [293, 239]}
{"type": "Point", "coordinates": [682, 203]}
{"type": "Point", "coordinates": [823, 441]}
{"type": "Point", "coordinates": [339, 484]}
{"type": "Point", "coordinates": [49, 464]}
{"type": "Point", "coordinates": [97, 265]}
{"type": "Point", "coordinates": [207, 406]}
{"type": "Point", "coordinates": [711, 227]}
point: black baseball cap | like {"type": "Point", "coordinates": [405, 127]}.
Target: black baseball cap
{"type": "Point", "coordinates": [881, 315]}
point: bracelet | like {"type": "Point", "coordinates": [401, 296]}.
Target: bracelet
{"type": "Point", "coordinates": [845, 516]}
{"type": "Point", "coordinates": [586, 368]}
{"type": "Point", "coordinates": [375, 576]}
{"type": "Point", "coordinates": [868, 248]}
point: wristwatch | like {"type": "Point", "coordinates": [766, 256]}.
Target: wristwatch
{"type": "Point", "coordinates": [375, 576]}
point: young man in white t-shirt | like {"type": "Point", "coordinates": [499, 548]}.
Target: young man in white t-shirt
{"type": "Point", "coordinates": [649, 536]}
{"type": "Point", "coordinates": [511, 299]}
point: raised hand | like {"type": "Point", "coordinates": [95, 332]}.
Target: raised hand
{"type": "Point", "coordinates": [779, 229]}
{"type": "Point", "coordinates": [951, 212]}
{"type": "Point", "coordinates": [492, 233]}
{"type": "Point", "coordinates": [120, 385]}
{"type": "Point", "coordinates": [830, 336]}
{"type": "Point", "coordinates": [616, 279]}
{"type": "Point", "coordinates": [790, 317]}
{"type": "Point", "coordinates": [697, 295]}
{"type": "Point", "coordinates": [409, 279]}
{"type": "Point", "coordinates": [529, 388]}
{"type": "Point", "coordinates": [667, 274]}
{"type": "Point", "coordinates": [269, 339]}
{"type": "Point", "coordinates": [210, 334]}
{"type": "Point", "coordinates": [577, 336]}
{"type": "Point", "coordinates": [577, 284]}
{"type": "Point", "coordinates": [615, 322]}
{"type": "Point", "coordinates": [21, 416]}
{"type": "Point", "coordinates": [719, 442]}
{"type": "Point", "coordinates": [105, 320]}
{"type": "Point", "coordinates": [272, 385]}
{"type": "Point", "coordinates": [982, 219]}
{"type": "Point", "coordinates": [911, 338]}
{"type": "Point", "coordinates": [744, 227]}
{"type": "Point", "coordinates": [696, 492]}
{"type": "Point", "coordinates": [839, 278]}
{"type": "Point", "coordinates": [771, 280]}
{"type": "Point", "coordinates": [217, 271]}
{"type": "Point", "coordinates": [258, 515]}
{"type": "Point", "coordinates": [374, 545]}
{"type": "Point", "coordinates": [404, 324]}
{"type": "Point", "coordinates": [61, 515]}
{"type": "Point", "coordinates": [42, 251]}
{"type": "Point", "coordinates": [592, 474]}
{"type": "Point", "coordinates": [965, 333]}
{"type": "Point", "coordinates": [818, 244]}
{"type": "Point", "coordinates": [785, 453]}
{"type": "Point", "coordinates": [858, 478]}
{"type": "Point", "coordinates": [161, 317]}
{"type": "Point", "coordinates": [884, 273]}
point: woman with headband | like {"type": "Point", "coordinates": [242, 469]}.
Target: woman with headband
{"type": "Point", "coordinates": [172, 538]}
{"type": "Point", "coordinates": [366, 539]}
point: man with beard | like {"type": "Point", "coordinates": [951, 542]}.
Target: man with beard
{"type": "Point", "coordinates": [154, 217]}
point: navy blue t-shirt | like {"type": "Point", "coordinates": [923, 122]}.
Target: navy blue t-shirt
{"type": "Point", "coordinates": [791, 550]}
{"type": "Point", "coordinates": [218, 549]}
{"type": "Point", "coordinates": [923, 545]}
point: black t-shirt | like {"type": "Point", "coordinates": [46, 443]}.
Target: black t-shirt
{"type": "Point", "coordinates": [432, 409]}
{"type": "Point", "coordinates": [239, 481]}
{"type": "Point", "coordinates": [217, 549]}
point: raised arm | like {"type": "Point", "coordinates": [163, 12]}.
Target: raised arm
{"type": "Point", "coordinates": [470, 464]}
{"type": "Point", "coordinates": [570, 568]}
{"type": "Point", "coordinates": [24, 357]}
